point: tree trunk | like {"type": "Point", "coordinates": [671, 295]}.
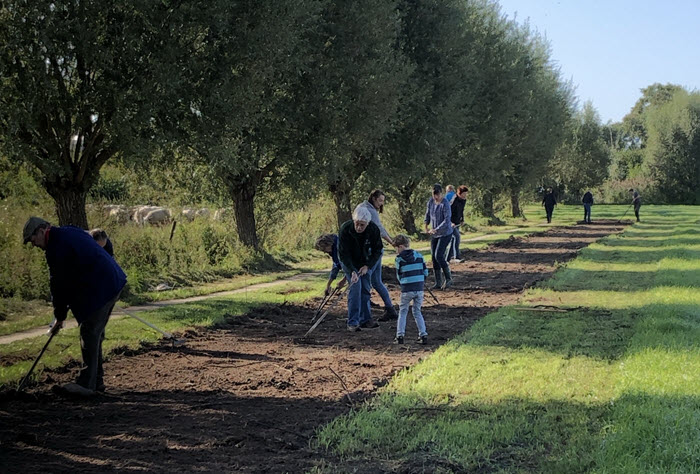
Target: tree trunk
{"type": "Point", "coordinates": [341, 196]}
{"type": "Point", "coordinates": [70, 205]}
{"type": "Point", "coordinates": [487, 205]}
{"type": "Point", "coordinates": [408, 219]}
{"type": "Point", "coordinates": [515, 203]}
{"type": "Point", "coordinates": [244, 210]}
{"type": "Point", "coordinates": [487, 209]}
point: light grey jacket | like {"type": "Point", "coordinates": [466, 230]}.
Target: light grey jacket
{"type": "Point", "coordinates": [375, 218]}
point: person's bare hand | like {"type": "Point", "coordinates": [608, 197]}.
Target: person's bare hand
{"type": "Point", "coordinates": [363, 270]}
{"type": "Point", "coordinates": [354, 278]}
{"type": "Point", "coordinates": [55, 326]}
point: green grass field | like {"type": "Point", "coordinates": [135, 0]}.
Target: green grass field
{"type": "Point", "coordinates": [610, 386]}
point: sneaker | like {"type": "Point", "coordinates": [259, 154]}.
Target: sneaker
{"type": "Point", "coordinates": [398, 340]}
{"type": "Point", "coordinates": [77, 389]}
{"type": "Point", "coordinates": [455, 260]}
{"type": "Point", "coordinates": [422, 340]}
{"type": "Point", "coordinates": [369, 324]}
{"type": "Point", "coordinates": [446, 285]}
{"type": "Point", "coordinates": [372, 304]}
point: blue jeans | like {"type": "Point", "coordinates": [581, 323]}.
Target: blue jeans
{"type": "Point", "coordinates": [438, 250]}
{"type": "Point", "coordinates": [454, 243]}
{"type": "Point", "coordinates": [377, 284]}
{"type": "Point", "coordinates": [358, 299]}
{"type": "Point", "coordinates": [586, 212]}
{"type": "Point", "coordinates": [406, 298]}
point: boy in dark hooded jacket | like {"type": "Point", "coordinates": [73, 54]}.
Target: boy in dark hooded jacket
{"type": "Point", "coordinates": [411, 272]}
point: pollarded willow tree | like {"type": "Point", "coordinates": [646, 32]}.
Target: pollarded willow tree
{"type": "Point", "coordinates": [85, 81]}
{"type": "Point", "coordinates": [359, 81]}
{"type": "Point", "coordinates": [583, 159]}
{"type": "Point", "coordinates": [544, 106]}
{"type": "Point", "coordinates": [437, 38]}
{"type": "Point", "coordinates": [252, 120]}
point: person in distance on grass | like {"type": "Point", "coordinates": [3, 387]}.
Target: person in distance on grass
{"type": "Point", "coordinates": [549, 201]}
{"type": "Point", "coordinates": [411, 272]}
{"type": "Point", "coordinates": [438, 215]}
{"type": "Point", "coordinates": [457, 219]}
{"type": "Point", "coordinates": [375, 204]}
{"type": "Point", "coordinates": [102, 240]}
{"type": "Point", "coordinates": [328, 243]}
{"type": "Point", "coordinates": [587, 203]}
{"type": "Point", "coordinates": [359, 248]}
{"type": "Point", "coordinates": [84, 279]}
{"type": "Point", "coordinates": [636, 202]}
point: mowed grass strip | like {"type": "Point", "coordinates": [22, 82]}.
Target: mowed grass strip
{"type": "Point", "coordinates": [610, 385]}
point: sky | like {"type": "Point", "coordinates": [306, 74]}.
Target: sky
{"type": "Point", "coordinates": [612, 49]}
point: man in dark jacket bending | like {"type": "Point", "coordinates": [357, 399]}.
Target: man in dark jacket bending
{"type": "Point", "coordinates": [359, 249]}
{"type": "Point", "coordinates": [84, 279]}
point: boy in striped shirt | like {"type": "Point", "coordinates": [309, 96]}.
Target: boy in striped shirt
{"type": "Point", "coordinates": [411, 272]}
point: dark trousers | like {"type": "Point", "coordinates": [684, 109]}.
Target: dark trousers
{"type": "Point", "coordinates": [438, 250]}
{"type": "Point", "coordinates": [636, 212]}
{"type": "Point", "coordinates": [549, 210]}
{"type": "Point", "coordinates": [587, 213]}
{"type": "Point", "coordinates": [92, 332]}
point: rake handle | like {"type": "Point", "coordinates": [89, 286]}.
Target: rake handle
{"type": "Point", "coordinates": [26, 377]}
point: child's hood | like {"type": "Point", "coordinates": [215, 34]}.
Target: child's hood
{"type": "Point", "coordinates": [408, 255]}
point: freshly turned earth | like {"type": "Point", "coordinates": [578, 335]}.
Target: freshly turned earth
{"type": "Point", "coordinates": [247, 396]}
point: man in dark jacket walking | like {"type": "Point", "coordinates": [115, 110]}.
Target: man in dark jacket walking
{"type": "Point", "coordinates": [86, 280]}
{"type": "Point", "coordinates": [587, 203]}
{"type": "Point", "coordinates": [359, 248]}
{"type": "Point", "coordinates": [549, 202]}
{"type": "Point", "coordinates": [457, 219]}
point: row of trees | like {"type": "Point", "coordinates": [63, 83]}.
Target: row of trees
{"type": "Point", "coordinates": [311, 95]}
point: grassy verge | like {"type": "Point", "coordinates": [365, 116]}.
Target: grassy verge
{"type": "Point", "coordinates": [19, 315]}
{"type": "Point", "coordinates": [609, 386]}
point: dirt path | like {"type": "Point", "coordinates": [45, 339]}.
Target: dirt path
{"type": "Point", "coordinates": [247, 396]}
{"type": "Point", "coordinates": [121, 313]}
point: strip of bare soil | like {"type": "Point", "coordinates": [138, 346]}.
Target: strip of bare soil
{"type": "Point", "coordinates": [248, 396]}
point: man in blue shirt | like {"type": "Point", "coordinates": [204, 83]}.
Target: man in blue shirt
{"type": "Point", "coordinates": [86, 280]}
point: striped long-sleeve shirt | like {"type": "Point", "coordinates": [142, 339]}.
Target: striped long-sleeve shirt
{"type": "Point", "coordinates": [411, 270]}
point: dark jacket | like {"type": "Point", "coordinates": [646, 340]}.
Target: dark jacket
{"type": "Point", "coordinates": [411, 270]}
{"type": "Point", "coordinates": [336, 261]}
{"type": "Point", "coordinates": [549, 200]}
{"type": "Point", "coordinates": [109, 248]}
{"type": "Point", "coordinates": [636, 200]}
{"type": "Point", "coordinates": [587, 198]}
{"type": "Point", "coordinates": [83, 277]}
{"type": "Point", "coordinates": [357, 250]}
{"type": "Point", "coordinates": [457, 209]}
